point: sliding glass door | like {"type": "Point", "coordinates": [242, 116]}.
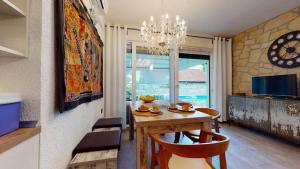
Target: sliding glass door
{"type": "Point", "coordinates": [183, 77]}
{"type": "Point", "coordinates": [147, 74]}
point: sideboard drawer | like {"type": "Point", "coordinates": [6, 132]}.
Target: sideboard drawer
{"type": "Point", "coordinates": [285, 119]}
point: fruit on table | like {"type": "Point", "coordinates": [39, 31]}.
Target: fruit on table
{"type": "Point", "coordinates": [147, 98]}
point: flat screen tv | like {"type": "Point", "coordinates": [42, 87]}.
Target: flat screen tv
{"type": "Point", "coordinates": [279, 85]}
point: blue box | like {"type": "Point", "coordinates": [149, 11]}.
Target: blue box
{"type": "Point", "coordinates": [9, 116]}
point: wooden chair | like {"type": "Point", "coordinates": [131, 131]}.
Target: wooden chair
{"type": "Point", "coordinates": [194, 156]}
{"type": "Point", "coordinates": [194, 134]}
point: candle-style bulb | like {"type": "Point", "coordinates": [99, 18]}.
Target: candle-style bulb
{"type": "Point", "coordinates": [152, 18]}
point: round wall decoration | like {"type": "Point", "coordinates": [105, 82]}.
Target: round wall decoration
{"type": "Point", "coordinates": [285, 51]}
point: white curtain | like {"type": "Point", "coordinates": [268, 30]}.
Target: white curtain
{"type": "Point", "coordinates": [221, 74]}
{"type": "Point", "coordinates": [114, 72]}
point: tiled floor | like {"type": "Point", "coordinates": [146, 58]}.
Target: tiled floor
{"type": "Point", "coordinates": [247, 150]}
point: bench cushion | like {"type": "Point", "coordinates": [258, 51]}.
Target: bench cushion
{"type": "Point", "coordinates": [97, 141]}
{"type": "Point", "coordinates": [108, 122]}
{"type": "Point", "coordinates": [106, 129]}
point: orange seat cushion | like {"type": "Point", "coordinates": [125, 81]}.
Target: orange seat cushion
{"type": "Point", "coordinates": [177, 162]}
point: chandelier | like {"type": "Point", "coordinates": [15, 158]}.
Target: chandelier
{"type": "Point", "coordinates": [160, 37]}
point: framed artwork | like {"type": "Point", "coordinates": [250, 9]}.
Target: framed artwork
{"type": "Point", "coordinates": [79, 55]}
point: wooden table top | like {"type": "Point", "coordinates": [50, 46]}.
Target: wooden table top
{"type": "Point", "coordinates": [167, 116]}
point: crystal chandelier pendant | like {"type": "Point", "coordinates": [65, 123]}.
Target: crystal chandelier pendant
{"type": "Point", "coordinates": [163, 36]}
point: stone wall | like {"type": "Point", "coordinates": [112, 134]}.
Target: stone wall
{"type": "Point", "coordinates": [251, 46]}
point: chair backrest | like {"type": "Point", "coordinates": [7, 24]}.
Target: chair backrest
{"type": "Point", "coordinates": [210, 111]}
{"type": "Point", "coordinates": [216, 116]}
{"type": "Point", "coordinates": [202, 150]}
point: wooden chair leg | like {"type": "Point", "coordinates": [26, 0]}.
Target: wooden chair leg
{"type": "Point", "coordinates": [177, 137]}
{"type": "Point", "coordinates": [223, 164]}
{"type": "Point", "coordinates": [217, 126]}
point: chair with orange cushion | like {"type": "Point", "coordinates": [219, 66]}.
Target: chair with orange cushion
{"type": "Point", "coordinates": [194, 156]}
{"type": "Point", "coordinates": [194, 134]}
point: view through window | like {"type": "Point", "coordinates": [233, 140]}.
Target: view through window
{"type": "Point", "coordinates": [194, 79]}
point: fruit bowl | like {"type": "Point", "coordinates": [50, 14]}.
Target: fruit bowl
{"type": "Point", "coordinates": [147, 99]}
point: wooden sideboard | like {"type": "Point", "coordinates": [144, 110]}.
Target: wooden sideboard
{"type": "Point", "coordinates": [280, 117]}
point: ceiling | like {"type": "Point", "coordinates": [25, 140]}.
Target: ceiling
{"type": "Point", "coordinates": [203, 17]}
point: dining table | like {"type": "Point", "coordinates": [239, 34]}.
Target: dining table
{"type": "Point", "coordinates": [166, 122]}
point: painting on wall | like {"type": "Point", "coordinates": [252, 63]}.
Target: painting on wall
{"type": "Point", "coordinates": [79, 56]}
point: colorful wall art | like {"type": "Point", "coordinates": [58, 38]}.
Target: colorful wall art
{"type": "Point", "coordinates": [79, 56]}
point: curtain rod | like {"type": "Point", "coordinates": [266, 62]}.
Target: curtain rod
{"type": "Point", "coordinates": [194, 36]}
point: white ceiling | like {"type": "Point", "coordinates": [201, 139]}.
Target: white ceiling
{"type": "Point", "coordinates": [211, 17]}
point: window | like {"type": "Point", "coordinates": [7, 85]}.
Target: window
{"type": "Point", "coordinates": [194, 79]}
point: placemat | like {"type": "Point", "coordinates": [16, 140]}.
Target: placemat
{"type": "Point", "coordinates": [146, 113]}
{"type": "Point", "coordinates": [178, 111]}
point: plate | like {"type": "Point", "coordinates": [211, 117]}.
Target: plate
{"type": "Point", "coordinates": [182, 103]}
{"type": "Point", "coordinates": [155, 112]}
{"type": "Point", "coordinates": [146, 114]}
{"type": "Point", "coordinates": [190, 109]}
{"type": "Point", "coordinates": [172, 108]}
{"type": "Point", "coordinates": [142, 110]}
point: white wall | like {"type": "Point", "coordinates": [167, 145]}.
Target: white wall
{"type": "Point", "coordinates": [23, 75]}
{"type": "Point", "coordinates": [34, 78]}
{"type": "Point", "coordinates": [60, 132]}
{"type": "Point", "coordinates": [22, 156]}
{"type": "Point", "coordinates": [197, 45]}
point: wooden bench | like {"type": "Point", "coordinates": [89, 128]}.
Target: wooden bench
{"type": "Point", "coordinates": [105, 159]}
{"type": "Point", "coordinates": [108, 123]}
{"type": "Point", "coordinates": [99, 149]}
{"type": "Point", "coordinates": [97, 141]}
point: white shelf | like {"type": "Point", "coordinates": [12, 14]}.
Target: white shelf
{"type": "Point", "coordinates": [8, 8]}
{"type": "Point", "coordinates": [4, 51]}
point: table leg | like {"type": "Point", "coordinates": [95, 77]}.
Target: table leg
{"type": "Point", "coordinates": [138, 147]}
{"type": "Point", "coordinates": [206, 126]}
{"type": "Point", "coordinates": [145, 152]}
{"type": "Point", "coordinates": [141, 149]}
{"type": "Point", "coordinates": [131, 125]}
